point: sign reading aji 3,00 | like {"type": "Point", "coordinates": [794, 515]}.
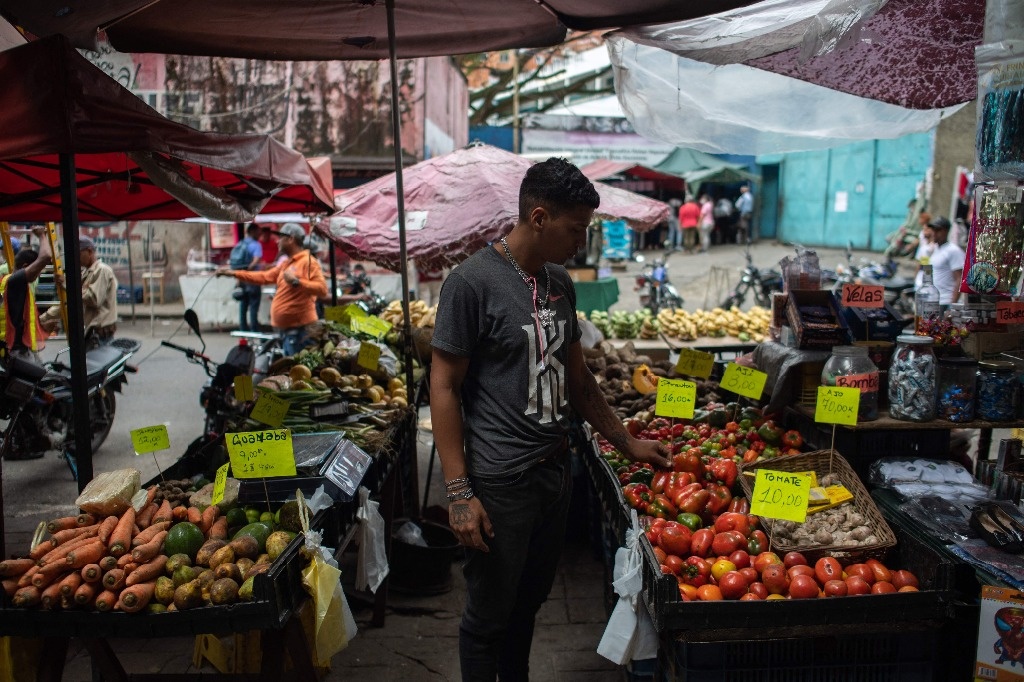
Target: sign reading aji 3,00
{"type": "Point", "coordinates": [745, 381]}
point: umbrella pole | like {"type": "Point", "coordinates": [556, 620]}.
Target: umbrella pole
{"type": "Point", "coordinates": [76, 325]}
{"type": "Point", "coordinates": [334, 274]}
{"type": "Point", "coordinates": [131, 269]}
{"type": "Point", "coordinates": [403, 255]}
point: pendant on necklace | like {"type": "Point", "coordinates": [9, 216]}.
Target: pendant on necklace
{"type": "Point", "coordinates": [547, 317]}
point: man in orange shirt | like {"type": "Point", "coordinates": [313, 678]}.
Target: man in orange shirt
{"type": "Point", "coordinates": [300, 282]}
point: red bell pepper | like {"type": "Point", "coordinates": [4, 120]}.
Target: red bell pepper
{"type": "Point", "coordinates": [676, 482]}
{"type": "Point", "coordinates": [681, 494]}
{"type": "Point", "coordinates": [740, 505]}
{"type": "Point", "coordinates": [689, 460]}
{"type": "Point", "coordinates": [637, 495]}
{"type": "Point", "coordinates": [659, 481]}
{"type": "Point", "coordinates": [695, 502]}
{"type": "Point", "coordinates": [719, 497]}
{"type": "Point", "coordinates": [661, 508]}
{"type": "Point", "coordinates": [724, 471]}
{"type": "Point", "coordinates": [695, 571]}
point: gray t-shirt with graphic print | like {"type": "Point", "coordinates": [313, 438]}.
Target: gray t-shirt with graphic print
{"type": "Point", "coordinates": [514, 399]}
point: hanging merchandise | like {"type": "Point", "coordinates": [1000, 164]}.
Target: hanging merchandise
{"type": "Point", "coordinates": [1000, 140]}
{"type": "Point", "coordinates": [996, 244]}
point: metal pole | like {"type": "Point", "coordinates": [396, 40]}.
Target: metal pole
{"type": "Point", "coordinates": [149, 285]}
{"type": "Point", "coordinates": [131, 269]}
{"type": "Point", "coordinates": [403, 255]}
{"type": "Point", "coordinates": [76, 322]}
{"type": "Point", "coordinates": [515, 102]}
{"type": "Point", "coordinates": [334, 273]}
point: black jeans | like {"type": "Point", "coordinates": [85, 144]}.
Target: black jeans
{"type": "Point", "coordinates": [249, 308]}
{"type": "Point", "coordinates": [507, 586]}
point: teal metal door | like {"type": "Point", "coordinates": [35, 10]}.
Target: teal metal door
{"type": "Point", "coordinates": [768, 225]}
{"type": "Point", "coordinates": [851, 171]}
{"type": "Point", "coordinates": [899, 166]}
{"type": "Point", "coordinates": [803, 183]}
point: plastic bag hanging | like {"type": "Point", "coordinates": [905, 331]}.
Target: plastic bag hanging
{"type": "Point", "coordinates": [627, 637]}
{"type": "Point", "coordinates": [372, 565]}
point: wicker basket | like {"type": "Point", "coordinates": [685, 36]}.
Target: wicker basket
{"type": "Point", "coordinates": [819, 462]}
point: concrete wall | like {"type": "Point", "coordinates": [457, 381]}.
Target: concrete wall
{"type": "Point", "coordinates": [954, 146]}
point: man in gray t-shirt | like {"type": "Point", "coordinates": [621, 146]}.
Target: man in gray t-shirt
{"type": "Point", "coordinates": [507, 369]}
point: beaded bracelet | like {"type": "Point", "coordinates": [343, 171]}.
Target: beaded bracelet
{"type": "Point", "coordinates": [461, 495]}
{"type": "Point", "coordinates": [456, 482]}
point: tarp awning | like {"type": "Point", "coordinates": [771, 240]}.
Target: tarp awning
{"type": "Point", "coordinates": [606, 168]}
{"type": "Point", "coordinates": [696, 167]}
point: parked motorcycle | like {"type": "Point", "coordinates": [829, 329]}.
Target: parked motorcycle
{"type": "Point", "coordinates": [899, 290]}
{"type": "Point", "coordinates": [36, 401]}
{"type": "Point", "coordinates": [655, 289]}
{"type": "Point", "coordinates": [761, 282]}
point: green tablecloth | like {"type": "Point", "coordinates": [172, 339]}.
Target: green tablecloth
{"type": "Point", "coordinates": [599, 295]}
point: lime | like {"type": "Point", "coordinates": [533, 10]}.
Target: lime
{"type": "Point", "coordinates": [184, 538]}
{"type": "Point", "coordinates": [237, 517]}
{"type": "Point", "coordinates": [252, 514]}
{"type": "Point", "coordinates": [266, 517]}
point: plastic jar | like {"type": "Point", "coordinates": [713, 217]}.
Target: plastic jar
{"type": "Point", "coordinates": [850, 367]}
{"type": "Point", "coordinates": [912, 379]}
{"type": "Point", "coordinates": [957, 381]}
{"type": "Point", "coordinates": [997, 390]}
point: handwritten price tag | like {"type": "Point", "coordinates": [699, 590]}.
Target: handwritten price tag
{"type": "Point", "coordinates": [675, 398]}
{"type": "Point", "coordinates": [1009, 312]}
{"type": "Point", "coordinates": [261, 454]}
{"type": "Point", "coordinates": [695, 363]}
{"type": "Point", "coordinates": [781, 495]}
{"type": "Point", "coordinates": [837, 405]}
{"type": "Point", "coordinates": [863, 296]}
{"type": "Point", "coordinates": [270, 409]}
{"type": "Point", "coordinates": [150, 439]}
{"type": "Point", "coordinates": [243, 388]}
{"type": "Point", "coordinates": [744, 381]}
{"type": "Point", "coordinates": [374, 326]}
{"type": "Point", "coordinates": [335, 313]}
{"type": "Point", "coordinates": [219, 483]}
{"type": "Point", "coordinates": [369, 355]}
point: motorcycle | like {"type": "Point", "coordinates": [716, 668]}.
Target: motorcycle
{"type": "Point", "coordinates": [655, 289]}
{"type": "Point", "coordinates": [36, 401]}
{"type": "Point", "coordinates": [898, 290]}
{"type": "Point", "coordinates": [761, 282]}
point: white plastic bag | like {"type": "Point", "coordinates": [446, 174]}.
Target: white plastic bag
{"type": "Point", "coordinates": [629, 635]}
{"type": "Point", "coordinates": [411, 534]}
{"type": "Point", "coordinates": [372, 566]}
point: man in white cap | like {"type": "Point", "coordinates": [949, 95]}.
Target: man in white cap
{"type": "Point", "coordinates": [300, 282]}
{"type": "Point", "coordinates": [99, 298]}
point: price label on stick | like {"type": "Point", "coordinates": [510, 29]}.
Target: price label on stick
{"type": "Point", "coordinates": [261, 454]}
{"type": "Point", "coordinates": [744, 381]}
{"type": "Point", "coordinates": [243, 388]}
{"type": "Point", "coordinates": [695, 363]}
{"type": "Point", "coordinates": [837, 405]}
{"type": "Point", "coordinates": [369, 356]}
{"type": "Point", "coordinates": [219, 484]}
{"type": "Point", "coordinates": [781, 495]}
{"type": "Point", "coordinates": [374, 326]}
{"type": "Point", "coordinates": [335, 313]}
{"type": "Point", "coordinates": [270, 409]}
{"type": "Point", "coordinates": [675, 398]}
{"type": "Point", "coordinates": [863, 296]}
{"type": "Point", "coordinates": [150, 439]}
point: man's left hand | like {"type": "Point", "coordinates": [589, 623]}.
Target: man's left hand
{"type": "Point", "coordinates": [650, 451]}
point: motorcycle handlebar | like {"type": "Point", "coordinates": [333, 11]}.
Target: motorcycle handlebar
{"type": "Point", "coordinates": [189, 352]}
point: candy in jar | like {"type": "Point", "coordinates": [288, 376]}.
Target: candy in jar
{"type": "Point", "coordinates": [997, 390]}
{"type": "Point", "coordinates": [956, 382]}
{"type": "Point", "coordinates": [912, 379]}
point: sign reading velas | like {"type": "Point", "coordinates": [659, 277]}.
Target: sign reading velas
{"type": "Point", "coordinates": [863, 296]}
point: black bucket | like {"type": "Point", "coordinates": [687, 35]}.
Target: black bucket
{"type": "Point", "coordinates": [423, 570]}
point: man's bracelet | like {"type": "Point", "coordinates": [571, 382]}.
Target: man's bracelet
{"type": "Point", "coordinates": [456, 482]}
{"type": "Point", "coordinates": [465, 494]}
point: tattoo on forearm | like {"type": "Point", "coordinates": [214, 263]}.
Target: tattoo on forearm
{"type": "Point", "coordinates": [594, 405]}
{"type": "Point", "coordinates": [459, 512]}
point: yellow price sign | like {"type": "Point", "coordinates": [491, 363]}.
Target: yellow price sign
{"type": "Point", "coordinates": [220, 482]}
{"type": "Point", "coordinates": [243, 388]}
{"type": "Point", "coordinates": [675, 398]}
{"type": "Point", "coordinates": [150, 439]}
{"type": "Point", "coordinates": [695, 363]}
{"type": "Point", "coordinates": [781, 495]}
{"type": "Point", "coordinates": [837, 405]}
{"type": "Point", "coordinates": [369, 356]}
{"type": "Point", "coordinates": [270, 409]}
{"type": "Point", "coordinates": [374, 326]}
{"type": "Point", "coordinates": [745, 381]}
{"type": "Point", "coordinates": [335, 313]}
{"type": "Point", "coordinates": [261, 454]}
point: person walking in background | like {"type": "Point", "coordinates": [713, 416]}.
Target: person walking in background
{"type": "Point", "coordinates": [300, 282]}
{"type": "Point", "coordinates": [923, 255]}
{"type": "Point", "coordinates": [706, 223]}
{"type": "Point", "coordinates": [22, 335]}
{"type": "Point", "coordinates": [745, 208]}
{"type": "Point", "coordinates": [99, 298]}
{"type": "Point", "coordinates": [724, 214]}
{"type": "Point", "coordinates": [507, 373]}
{"type": "Point", "coordinates": [947, 260]}
{"type": "Point", "coordinates": [689, 218]}
{"type": "Point", "coordinates": [248, 255]}
{"type": "Point", "coordinates": [673, 225]}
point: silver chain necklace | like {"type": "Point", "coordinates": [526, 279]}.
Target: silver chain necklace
{"type": "Point", "coordinates": [547, 316]}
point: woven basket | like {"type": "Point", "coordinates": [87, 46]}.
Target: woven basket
{"type": "Point", "coordinates": [819, 462]}
{"type": "Point", "coordinates": [421, 337]}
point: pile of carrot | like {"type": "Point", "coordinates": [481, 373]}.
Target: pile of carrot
{"type": "Point", "coordinates": [109, 564]}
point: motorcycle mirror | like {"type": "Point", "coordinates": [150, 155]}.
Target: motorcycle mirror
{"type": "Point", "coordinates": [192, 320]}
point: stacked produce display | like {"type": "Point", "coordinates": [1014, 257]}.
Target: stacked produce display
{"type": "Point", "coordinates": [751, 325]}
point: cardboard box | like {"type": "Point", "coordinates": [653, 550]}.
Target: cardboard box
{"type": "Point", "coordinates": [817, 320]}
{"type": "Point", "coordinates": [583, 274]}
{"type": "Point", "coordinates": [1000, 635]}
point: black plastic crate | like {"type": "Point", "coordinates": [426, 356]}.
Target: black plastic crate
{"type": "Point", "coordinates": [609, 492]}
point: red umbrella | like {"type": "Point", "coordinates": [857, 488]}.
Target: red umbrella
{"type": "Point", "coordinates": [456, 204]}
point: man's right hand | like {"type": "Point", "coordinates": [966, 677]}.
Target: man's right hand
{"type": "Point", "coordinates": [467, 519]}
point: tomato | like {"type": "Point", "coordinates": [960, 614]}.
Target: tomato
{"type": "Point", "coordinates": [750, 596]}
{"type": "Point", "coordinates": [799, 569]}
{"type": "Point", "coordinates": [659, 554]}
{"type": "Point", "coordinates": [750, 574]}
{"type": "Point", "coordinates": [721, 567]}
{"type": "Point", "coordinates": [764, 559]}
{"type": "Point", "coordinates": [757, 543]}
{"type": "Point", "coordinates": [732, 521]}
{"type": "Point", "coordinates": [700, 543]}
{"type": "Point", "coordinates": [757, 588]}
{"type": "Point", "coordinates": [709, 593]}
{"type": "Point", "coordinates": [732, 427]}
{"type": "Point", "coordinates": [862, 570]}
{"type": "Point", "coordinates": [633, 426]}
{"type": "Point", "coordinates": [740, 558]}
{"type": "Point", "coordinates": [673, 563]}
{"type": "Point", "coordinates": [728, 542]}
{"type": "Point", "coordinates": [908, 588]}
{"type": "Point", "coordinates": [882, 574]}
{"type": "Point", "coordinates": [835, 588]}
{"type": "Point", "coordinates": [794, 559]}
{"type": "Point", "coordinates": [857, 585]}
{"type": "Point", "coordinates": [803, 587]}
{"type": "Point", "coordinates": [687, 592]}
{"type": "Point", "coordinates": [825, 569]}
{"type": "Point", "coordinates": [792, 439]}
{"type": "Point", "coordinates": [902, 578]}
{"type": "Point", "coordinates": [733, 585]}
{"type": "Point", "coordinates": [775, 579]}
{"type": "Point", "coordinates": [676, 540]}
{"type": "Point", "coordinates": [882, 587]}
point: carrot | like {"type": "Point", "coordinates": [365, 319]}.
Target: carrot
{"type": "Point", "coordinates": [194, 515]}
{"type": "Point", "coordinates": [91, 573]}
{"type": "Point", "coordinates": [61, 551]}
{"type": "Point", "coordinates": [121, 538]}
{"type": "Point", "coordinates": [107, 527]}
{"type": "Point", "coordinates": [10, 587]}
{"type": "Point", "coordinates": [164, 513]}
{"type": "Point", "coordinates": [219, 529]}
{"type": "Point", "coordinates": [50, 597]}
{"type": "Point", "coordinates": [148, 571]}
{"type": "Point", "coordinates": [40, 550]}
{"type": "Point", "coordinates": [150, 533]}
{"type": "Point", "coordinates": [62, 536]}
{"type": "Point", "coordinates": [207, 518]}
{"type": "Point", "coordinates": [70, 583]}
{"type": "Point", "coordinates": [114, 579]}
{"type": "Point", "coordinates": [86, 554]}
{"type": "Point", "coordinates": [12, 568]}
{"type": "Point", "coordinates": [106, 600]}
{"type": "Point", "coordinates": [108, 562]}
{"type": "Point", "coordinates": [125, 560]}
{"type": "Point", "coordinates": [136, 597]}
{"type": "Point", "coordinates": [150, 496]}
{"type": "Point", "coordinates": [144, 553]}
{"type": "Point", "coordinates": [145, 517]}
{"type": "Point", "coordinates": [48, 574]}
{"type": "Point", "coordinates": [26, 578]}
{"type": "Point", "coordinates": [67, 603]}
{"type": "Point", "coordinates": [26, 596]}
{"type": "Point", "coordinates": [129, 567]}
{"type": "Point", "coordinates": [63, 523]}
{"type": "Point", "coordinates": [179, 513]}
{"type": "Point", "coordinates": [86, 520]}
{"type": "Point", "coordinates": [85, 593]}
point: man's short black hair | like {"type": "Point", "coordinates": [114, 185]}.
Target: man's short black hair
{"type": "Point", "coordinates": [557, 185]}
{"type": "Point", "coordinates": [253, 230]}
{"type": "Point", "coordinates": [25, 258]}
